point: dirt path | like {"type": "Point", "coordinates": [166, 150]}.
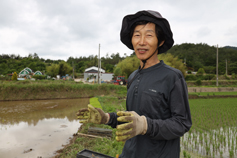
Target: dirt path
{"type": "Point", "coordinates": [209, 89]}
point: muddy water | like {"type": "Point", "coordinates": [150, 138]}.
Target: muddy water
{"type": "Point", "coordinates": [37, 128]}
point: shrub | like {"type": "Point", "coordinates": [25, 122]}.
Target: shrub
{"type": "Point", "coordinates": [199, 82]}
{"type": "Point", "coordinates": [207, 77]}
{"type": "Point", "coordinates": [200, 71]}
{"type": "Point", "coordinates": [14, 76]}
{"type": "Point", "coordinates": [2, 77]}
{"type": "Point", "coordinates": [39, 77]}
{"type": "Point", "coordinates": [233, 76]}
{"type": "Point", "coordinates": [190, 77]}
{"type": "Point", "coordinates": [189, 71]}
{"type": "Point", "coordinates": [226, 77]}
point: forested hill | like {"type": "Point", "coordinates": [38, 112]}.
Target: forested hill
{"type": "Point", "coordinates": [204, 56]}
{"type": "Point", "coordinates": [231, 47]}
{"type": "Point", "coordinates": [196, 56]}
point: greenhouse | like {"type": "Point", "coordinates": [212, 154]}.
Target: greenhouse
{"type": "Point", "coordinates": [38, 73]}
{"type": "Point", "coordinates": [28, 69]}
{"type": "Point", "coordinates": [23, 73]}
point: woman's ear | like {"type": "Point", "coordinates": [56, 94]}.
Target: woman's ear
{"type": "Point", "coordinates": [162, 43]}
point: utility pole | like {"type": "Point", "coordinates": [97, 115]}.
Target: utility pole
{"type": "Point", "coordinates": [99, 66]}
{"type": "Point", "coordinates": [226, 67]}
{"type": "Point", "coordinates": [100, 71]}
{"type": "Point", "coordinates": [73, 69]}
{"type": "Point", "coordinates": [217, 66]}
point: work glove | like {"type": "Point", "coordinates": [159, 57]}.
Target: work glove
{"type": "Point", "coordinates": [92, 115]}
{"type": "Point", "coordinates": [135, 125]}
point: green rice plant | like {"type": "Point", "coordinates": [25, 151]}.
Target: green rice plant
{"type": "Point", "coordinates": [214, 123]}
{"type": "Point", "coordinates": [94, 102]}
{"type": "Point", "coordinates": [184, 154]}
{"type": "Point", "coordinates": [231, 153]}
{"type": "Point", "coordinates": [221, 154]}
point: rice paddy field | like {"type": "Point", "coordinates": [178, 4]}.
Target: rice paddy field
{"type": "Point", "coordinates": [214, 130]}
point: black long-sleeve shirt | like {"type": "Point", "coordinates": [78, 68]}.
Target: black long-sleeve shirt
{"type": "Point", "coordinates": [160, 94]}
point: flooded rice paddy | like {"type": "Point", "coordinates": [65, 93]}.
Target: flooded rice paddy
{"type": "Point", "coordinates": [37, 128]}
{"type": "Point", "coordinates": [214, 130]}
{"type": "Point", "coordinates": [220, 143]}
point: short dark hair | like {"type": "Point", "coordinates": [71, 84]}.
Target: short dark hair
{"type": "Point", "coordinates": [159, 32]}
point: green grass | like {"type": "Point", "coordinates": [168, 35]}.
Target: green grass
{"type": "Point", "coordinates": [18, 90]}
{"type": "Point", "coordinates": [107, 146]}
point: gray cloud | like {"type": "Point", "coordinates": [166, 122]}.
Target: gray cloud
{"type": "Point", "coordinates": [60, 29]}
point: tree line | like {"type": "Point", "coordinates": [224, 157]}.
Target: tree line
{"type": "Point", "coordinates": [204, 56]}
{"type": "Point", "coordinates": [193, 56]}
{"type": "Point", "coordinates": [10, 63]}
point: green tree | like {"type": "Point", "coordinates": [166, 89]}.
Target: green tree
{"type": "Point", "coordinates": [52, 70]}
{"type": "Point", "coordinates": [80, 66]}
{"type": "Point", "coordinates": [109, 67]}
{"type": "Point", "coordinates": [33, 66]}
{"type": "Point", "coordinates": [128, 65]}
{"type": "Point", "coordinates": [64, 68]}
{"type": "Point", "coordinates": [172, 61]}
{"type": "Point", "coordinates": [3, 68]}
{"type": "Point", "coordinates": [14, 76]}
{"type": "Point", "coordinates": [209, 69]}
{"type": "Point", "coordinates": [117, 71]}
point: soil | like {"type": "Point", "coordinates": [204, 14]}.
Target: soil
{"type": "Point", "coordinates": [71, 141]}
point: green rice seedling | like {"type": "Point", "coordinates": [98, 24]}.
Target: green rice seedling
{"type": "Point", "coordinates": [188, 156]}
{"type": "Point", "coordinates": [184, 154]}
{"type": "Point", "coordinates": [231, 153]}
{"type": "Point", "coordinates": [221, 154]}
{"type": "Point", "coordinates": [207, 150]}
{"type": "Point", "coordinates": [213, 122]}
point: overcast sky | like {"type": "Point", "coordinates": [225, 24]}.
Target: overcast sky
{"type": "Point", "coordinates": [58, 29]}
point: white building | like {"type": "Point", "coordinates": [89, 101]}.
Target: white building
{"type": "Point", "coordinates": [91, 74]}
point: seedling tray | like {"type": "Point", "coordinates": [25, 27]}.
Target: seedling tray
{"type": "Point", "coordinates": [91, 154]}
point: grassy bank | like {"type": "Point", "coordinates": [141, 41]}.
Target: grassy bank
{"type": "Point", "coordinates": [213, 93]}
{"type": "Point", "coordinates": [108, 146]}
{"type": "Point", "coordinates": [33, 90]}
{"type": "Point", "coordinates": [212, 83]}
{"type": "Point", "coordinates": [60, 89]}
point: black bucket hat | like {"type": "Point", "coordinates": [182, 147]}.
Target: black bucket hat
{"type": "Point", "coordinates": [150, 16]}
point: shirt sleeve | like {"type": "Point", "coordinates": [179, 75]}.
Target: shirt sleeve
{"type": "Point", "coordinates": [113, 120]}
{"type": "Point", "coordinates": [180, 121]}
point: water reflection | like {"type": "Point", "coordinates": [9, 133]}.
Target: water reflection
{"type": "Point", "coordinates": [37, 128]}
